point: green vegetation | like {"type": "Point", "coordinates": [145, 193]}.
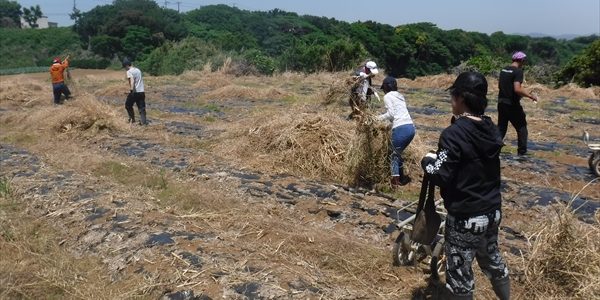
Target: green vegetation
{"type": "Point", "coordinates": [5, 190]}
{"type": "Point", "coordinates": [165, 42]}
{"type": "Point", "coordinates": [32, 50]}
{"type": "Point", "coordinates": [10, 14]}
{"type": "Point", "coordinates": [584, 69]}
{"type": "Point", "coordinates": [36, 47]}
{"type": "Point", "coordinates": [162, 41]}
{"type": "Point", "coordinates": [132, 175]}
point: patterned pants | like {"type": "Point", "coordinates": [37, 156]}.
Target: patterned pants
{"type": "Point", "coordinates": [468, 239]}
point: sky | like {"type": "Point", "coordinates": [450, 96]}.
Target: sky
{"type": "Point", "coordinates": [550, 17]}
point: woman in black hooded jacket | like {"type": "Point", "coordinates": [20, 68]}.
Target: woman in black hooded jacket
{"type": "Point", "coordinates": [466, 167]}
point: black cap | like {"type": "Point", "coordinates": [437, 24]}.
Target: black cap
{"type": "Point", "coordinates": [126, 62]}
{"type": "Point", "coordinates": [390, 82]}
{"type": "Point", "coordinates": [472, 82]}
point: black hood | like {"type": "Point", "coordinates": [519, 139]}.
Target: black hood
{"type": "Point", "coordinates": [484, 134]}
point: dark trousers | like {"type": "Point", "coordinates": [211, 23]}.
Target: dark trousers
{"type": "Point", "coordinates": [58, 89]}
{"type": "Point", "coordinates": [140, 100]}
{"type": "Point", "coordinates": [475, 238]}
{"type": "Point", "coordinates": [516, 116]}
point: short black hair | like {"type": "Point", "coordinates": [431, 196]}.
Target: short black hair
{"type": "Point", "coordinates": [472, 87]}
{"type": "Point", "coordinates": [474, 102]}
{"type": "Point", "coordinates": [390, 84]}
{"type": "Point", "coordinates": [126, 62]}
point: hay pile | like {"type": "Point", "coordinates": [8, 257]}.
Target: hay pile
{"type": "Point", "coordinates": [440, 81]}
{"type": "Point", "coordinates": [86, 114]}
{"type": "Point", "coordinates": [311, 144]}
{"type": "Point", "coordinates": [83, 116]}
{"type": "Point", "coordinates": [113, 90]}
{"type": "Point", "coordinates": [323, 145]}
{"type": "Point", "coordinates": [24, 93]}
{"type": "Point", "coordinates": [564, 260]}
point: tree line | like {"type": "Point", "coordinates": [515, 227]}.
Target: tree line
{"type": "Point", "coordinates": [167, 42]}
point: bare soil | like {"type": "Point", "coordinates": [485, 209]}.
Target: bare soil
{"type": "Point", "coordinates": [94, 208]}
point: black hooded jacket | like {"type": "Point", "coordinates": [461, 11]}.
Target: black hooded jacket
{"type": "Point", "coordinates": [467, 168]}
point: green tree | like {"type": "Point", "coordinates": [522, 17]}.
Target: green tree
{"type": "Point", "coordinates": [174, 58]}
{"type": "Point", "coordinates": [343, 54]}
{"type": "Point", "coordinates": [10, 14]}
{"type": "Point", "coordinates": [263, 63]}
{"type": "Point", "coordinates": [31, 15]}
{"type": "Point", "coordinates": [106, 46]}
{"type": "Point", "coordinates": [584, 69]}
{"type": "Point", "coordinates": [137, 42]}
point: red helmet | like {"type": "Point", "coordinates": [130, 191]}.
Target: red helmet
{"type": "Point", "coordinates": [56, 60]}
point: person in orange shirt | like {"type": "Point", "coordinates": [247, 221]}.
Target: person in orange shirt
{"type": "Point", "coordinates": [58, 79]}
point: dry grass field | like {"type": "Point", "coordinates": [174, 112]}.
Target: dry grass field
{"type": "Point", "coordinates": [249, 188]}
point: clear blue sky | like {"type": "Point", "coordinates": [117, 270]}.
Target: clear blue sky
{"type": "Point", "coordinates": [552, 17]}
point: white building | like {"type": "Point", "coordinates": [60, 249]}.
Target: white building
{"type": "Point", "coordinates": [41, 22]}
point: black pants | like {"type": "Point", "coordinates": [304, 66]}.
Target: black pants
{"type": "Point", "coordinates": [140, 100]}
{"type": "Point", "coordinates": [475, 238]}
{"type": "Point", "coordinates": [58, 89]}
{"type": "Point", "coordinates": [516, 116]}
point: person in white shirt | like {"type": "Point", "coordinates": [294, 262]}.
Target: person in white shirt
{"type": "Point", "coordinates": [361, 92]}
{"type": "Point", "coordinates": [136, 93]}
{"type": "Point", "coordinates": [403, 129]}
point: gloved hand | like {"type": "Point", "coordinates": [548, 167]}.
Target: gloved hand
{"type": "Point", "coordinates": [431, 154]}
{"type": "Point", "coordinates": [429, 158]}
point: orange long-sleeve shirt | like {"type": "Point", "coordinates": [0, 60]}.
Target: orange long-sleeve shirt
{"type": "Point", "coordinates": [56, 71]}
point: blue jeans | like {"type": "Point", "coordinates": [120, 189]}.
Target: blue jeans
{"type": "Point", "coordinates": [401, 137]}
{"type": "Point", "coordinates": [58, 89]}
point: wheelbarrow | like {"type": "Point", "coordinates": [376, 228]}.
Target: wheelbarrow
{"type": "Point", "coordinates": [409, 252]}
{"type": "Point", "coordinates": [594, 160]}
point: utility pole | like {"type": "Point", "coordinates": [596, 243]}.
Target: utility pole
{"type": "Point", "coordinates": [166, 2]}
{"type": "Point", "coordinates": [178, 2]}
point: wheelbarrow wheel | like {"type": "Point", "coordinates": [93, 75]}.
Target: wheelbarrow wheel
{"type": "Point", "coordinates": [596, 166]}
{"type": "Point", "coordinates": [437, 264]}
{"type": "Point", "coordinates": [402, 253]}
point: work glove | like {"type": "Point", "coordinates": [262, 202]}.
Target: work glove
{"type": "Point", "coordinates": [429, 158]}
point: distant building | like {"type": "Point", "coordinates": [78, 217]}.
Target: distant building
{"type": "Point", "coordinates": [41, 22]}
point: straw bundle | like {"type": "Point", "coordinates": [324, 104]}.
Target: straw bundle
{"type": "Point", "coordinates": [564, 260]}
{"type": "Point", "coordinates": [340, 90]}
{"type": "Point", "coordinates": [312, 144]}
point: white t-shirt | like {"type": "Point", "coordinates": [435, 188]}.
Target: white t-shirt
{"type": "Point", "coordinates": [397, 112]}
{"type": "Point", "coordinates": [138, 81]}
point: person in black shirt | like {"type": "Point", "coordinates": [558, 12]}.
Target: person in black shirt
{"type": "Point", "coordinates": [466, 167]}
{"type": "Point", "coordinates": [509, 101]}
